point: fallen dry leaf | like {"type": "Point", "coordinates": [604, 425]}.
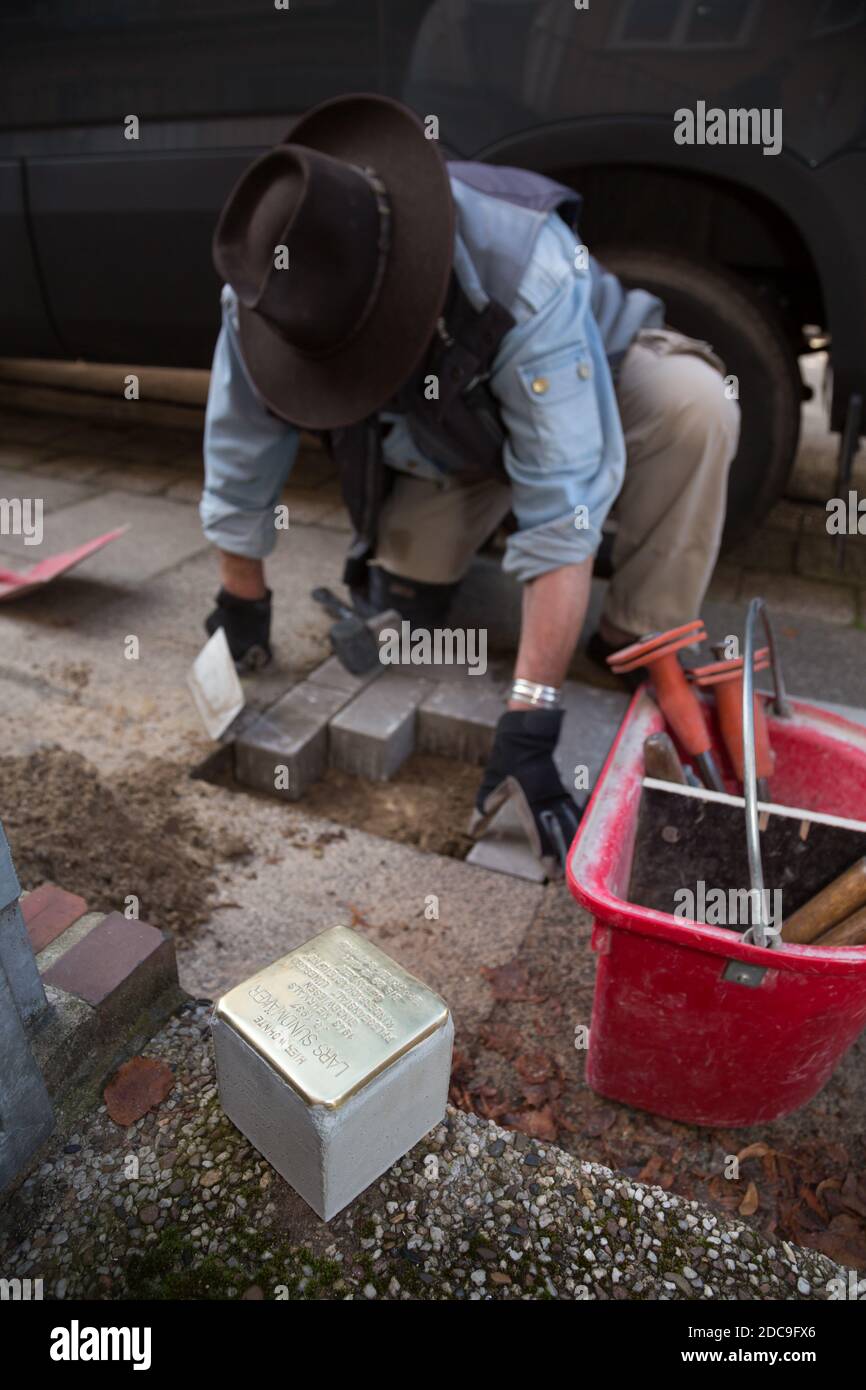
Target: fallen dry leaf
{"type": "Point", "coordinates": [846, 1247]}
{"type": "Point", "coordinates": [828, 1184]}
{"type": "Point", "coordinates": [598, 1120]}
{"type": "Point", "coordinates": [510, 981]}
{"type": "Point", "coordinates": [753, 1151]}
{"type": "Point", "coordinates": [501, 1038]}
{"type": "Point", "coordinates": [140, 1085]}
{"type": "Point", "coordinates": [749, 1204]}
{"type": "Point", "coordinates": [534, 1067]}
{"type": "Point", "coordinates": [538, 1124]}
{"type": "Point", "coordinates": [650, 1169]}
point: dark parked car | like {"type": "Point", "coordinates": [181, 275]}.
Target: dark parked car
{"type": "Point", "coordinates": [106, 238]}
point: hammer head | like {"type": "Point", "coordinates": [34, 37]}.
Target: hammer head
{"type": "Point", "coordinates": [354, 645]}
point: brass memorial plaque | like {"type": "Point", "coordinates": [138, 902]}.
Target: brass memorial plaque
{"type": "Point", "coordinates": [332, 1014]}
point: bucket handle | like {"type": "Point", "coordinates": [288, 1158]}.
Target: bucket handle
{"type": "Point", "coordinates": [760, 933]}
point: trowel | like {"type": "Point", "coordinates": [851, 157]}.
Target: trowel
{"type": "Point", "coordinates": [215, 686]}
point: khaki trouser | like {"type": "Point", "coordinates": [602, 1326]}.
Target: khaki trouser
{"type": "Point", "coordinates": [681, 432]}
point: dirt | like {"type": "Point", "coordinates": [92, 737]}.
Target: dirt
{"type": "Point", "coordinates": [801, 1178]}
{"type": "Point", "coordinates": [426, 804]}
{"type": "Point", "coordinates": [108, 837]}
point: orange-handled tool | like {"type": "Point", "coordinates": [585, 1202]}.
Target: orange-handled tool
{"type": "Point", "coordinates": [678, 701]}
{"type": "Point", "coordinates": [725, 678]}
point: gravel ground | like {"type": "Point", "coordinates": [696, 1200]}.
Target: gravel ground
{"type": "Point", "coordinates": [178, 1205]}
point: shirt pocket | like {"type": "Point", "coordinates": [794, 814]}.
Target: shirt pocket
{"type": "Point", "coordinates": [555, 419]}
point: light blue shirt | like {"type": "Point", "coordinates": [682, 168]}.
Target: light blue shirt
{"type": "Point", "coordinates": [564, 453]}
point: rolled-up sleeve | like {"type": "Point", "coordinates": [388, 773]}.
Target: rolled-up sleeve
{"type": "Point", "coordinates": [565, 453]}
{"type": "Point", "coordinates": [248, 453]}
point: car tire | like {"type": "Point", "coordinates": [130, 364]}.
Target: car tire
{"type": "Point", "coordinates": [714, 305]}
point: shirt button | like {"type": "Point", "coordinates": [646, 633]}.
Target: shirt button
{"type": "Point", "coordinates": [584, 371]}
{"type": "Point", "coordinates": [540, 385]}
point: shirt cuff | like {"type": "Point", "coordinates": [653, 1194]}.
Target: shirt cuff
{"type": "Point", "coordinates": [251, 534]}
{"type": "Point", "coordinates": [548, 547]}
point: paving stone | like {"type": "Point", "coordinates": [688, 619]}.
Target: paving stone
{"type": "Point", "coordinates": [725, 584]}
{"type": "Point", "coordinates": [19, 456]}
{"type": "Point", "coordinates": [161, 535]}
{"type": "Point", "coordinates": [818, 556]}
{"type": "Point", "coordinates": [375, 734]}
{"type": "Point", "coordinates": [103, 440]}
{"type": "Point", "coordinates": [51, 953]}
{"type": "Point", "coordinates": [54, 494]}
{"type": "Point", "coordinates": [814, 521]}
{"type": "Point", "coordinates": [77, 467]}
{"type": "Point", "coordinates": [312, 467]}
{"type": "Point", "coordinates": [292, 734]}
{"type": "Point", "coordinates": [458, 719]}
{"type": "Point", "coordinates": [592, 720]}
{"type": "Point", "coordinates": [787, 516]}
{"type": "Point", "coordinates": [336, 519]}
{"type": "Point", "coordinates": [48, 911]}
{"type": "Point", "coordinates": [807, 598]}
{"type": "Point", "coordinates": [333, 675]}
{"type": "Point", "coordinates": [120, 960]}
{"type": "Point", "coordinates": [187, 487]}
{"type": "Point", "coordinates": [159, 445]}
{"type": "Point", "coordinates": [766, 549]}
{"type": "Point", "coordinates": [138, 476]}
{"type": "Point", "coordinates": [308, 506]}
{"type": "Point", "coordinates": [820, 660]}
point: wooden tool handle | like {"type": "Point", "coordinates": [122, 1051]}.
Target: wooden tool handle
{"type": "Point", "coordinates": [834, 904]}
{"type": "Point", "coordinates": [851, 932]}
{"type": "Point", "coordinates": [661, 759]}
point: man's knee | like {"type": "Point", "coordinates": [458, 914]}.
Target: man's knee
{"type": "Point", "coordinates": [696, 408]}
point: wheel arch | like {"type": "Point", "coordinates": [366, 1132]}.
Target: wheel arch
{"type": "Point", "coordinates": [781, 189]}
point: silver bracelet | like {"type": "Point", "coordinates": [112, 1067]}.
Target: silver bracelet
{"type": "Point", "coordinates": [530, 693]}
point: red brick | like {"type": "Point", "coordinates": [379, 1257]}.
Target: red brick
{"type": "Point", "coordinates": [95, 967]}
{"type": "Point", "coordinates": [47, 912]}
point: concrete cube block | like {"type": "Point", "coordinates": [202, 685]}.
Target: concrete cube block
{"type": "Point", "coordinates": [333, 675]}
{"type": "Point", "coordinates": [458, 719]}
{"type": "Point", "coordinates": [292, 734]}
{"type": "Point", "coordinates": [333, 1062]}
{"type": "Point", "coordinates": [375, 734]}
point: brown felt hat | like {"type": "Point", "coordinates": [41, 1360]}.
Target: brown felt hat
{"type": "Point", "coordinates": [362, 202]}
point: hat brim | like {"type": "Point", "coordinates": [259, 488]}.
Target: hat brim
{"type": "Point", "coordinates": [359, 377]}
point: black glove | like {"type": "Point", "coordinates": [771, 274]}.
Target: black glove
{"type": "Point", "coordinates": [247, 623]}
{"type": "Point", "coordinates": [521, 765]}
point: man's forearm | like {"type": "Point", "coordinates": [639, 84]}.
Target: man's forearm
{"type": "Point", "coordinates": [554, 607]}
{"type": "Point", "coordinates": [241, 576]}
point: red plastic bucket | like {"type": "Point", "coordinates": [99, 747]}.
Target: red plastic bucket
{"type": "Point", "coordinates": [669, 1032]}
